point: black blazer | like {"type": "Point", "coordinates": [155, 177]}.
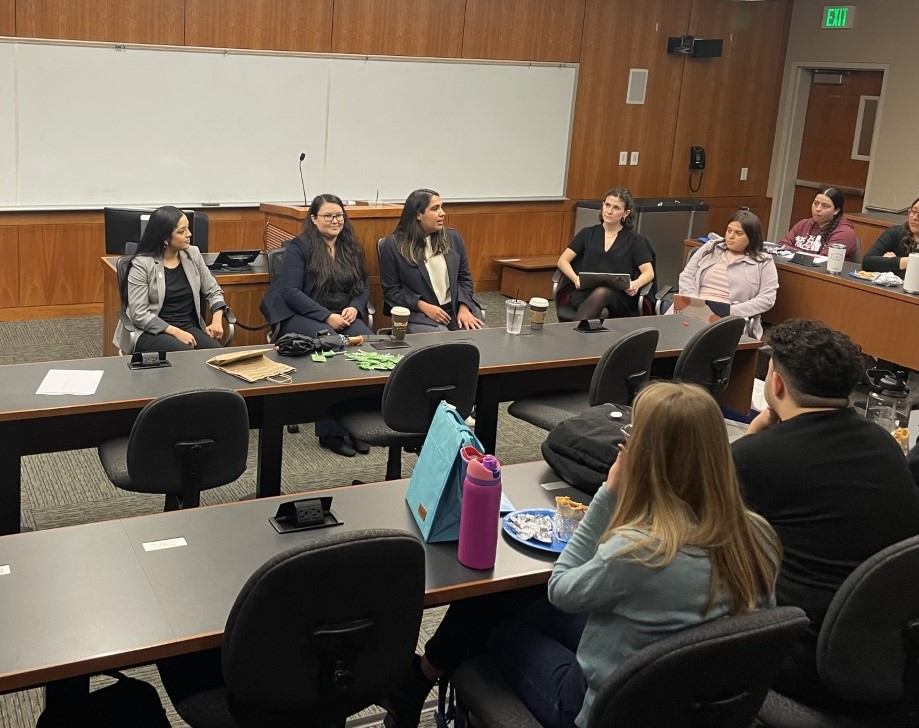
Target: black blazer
{"type": "Point", "coordinates": [406, 285]}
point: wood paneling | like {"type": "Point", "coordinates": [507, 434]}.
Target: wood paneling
{"type": "Point", "coordinates": [239, 229]}
{"type": "Point", "coordinates": [287, 25]}
{"type": "Point", "coordinates": [8, 17]}
{"type": "Point", "coordinates": [399, 28]}
{"type": "Point", "coordinates": [62, 265]}
{"type": "Point", "coordinates": [9, 271]}
{"type": "Point", "coordinates": [720, 210]}
{"type": "Point", "coordinates": [619, 36]}
{"type": "Point", "coordinates": [534, 30]}
{"type": "Point", "coordinates": [727, 104]}
{"type": "Point", "coordinates": [126, 21]}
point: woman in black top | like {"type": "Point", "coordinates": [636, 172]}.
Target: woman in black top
{"type": "Point", "coordinates": [891, 250]}
{"type": "Point", "coordinates": [610, 247]}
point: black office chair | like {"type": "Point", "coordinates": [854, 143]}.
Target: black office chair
{"type": "Point", "coordinates": [181, 444]}
{"type": "Point", "coordinates": [707, 358]}
{"type": "Point", "coordinates": [619, 374]}
{"type": "Point", "coordinates": [421, 380]}
{"type": "Point", "coordinates": [316, 634]}
{"type": "Point", "coordinates": [867, 650]}
{"type": "Point", "coordinates": [122, 268]}
{"type": "Point", "coordinates": [275, 263]}
{"type": "Point", "coordinates": [715, 675]}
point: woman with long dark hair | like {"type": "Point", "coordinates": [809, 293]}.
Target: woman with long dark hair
{"type": "Point", "coordinates": [825, 227]}
{"type": "Point", "coordinates": [666, 544]}
{"type": "Point", "coordinates": [734, 271]}
{"type": "Point", "coordinates": [166, 282]}
{"type": "Point", "coordinates": [424, 267]}
{"type": "Point", "coordinates": [610, 247]}
{"type": "Point", "coordinates": [323, 286]}
{"type": "Point", "coordinates": [891, 250]}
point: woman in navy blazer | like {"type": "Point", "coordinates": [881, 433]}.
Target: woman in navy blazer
{"type": "Point", "coordinates": [424, 267]}
{"type": "Point", "coordinates": [323, 286]}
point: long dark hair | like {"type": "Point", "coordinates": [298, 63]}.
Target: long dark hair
{"type": "Point", "coordinates": [410, 235]}
{"type": "Point", "coordinates": [753, 229]}
{"type": "Point", "coordinates": [349, 255]}
{"type": "Point", "coordinates": [839, 202]}
{"type": "Point", "coordinates": [907, 244]}
{"type": "Point", "coordinates": [624, 194]}
{"type": "Point", "coordinates": [157, 234]}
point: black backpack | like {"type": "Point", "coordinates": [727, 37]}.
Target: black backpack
{"type": "Point", "coordinates": [126, 703]}
{"type": "Point", "coordinates": [582, 448]}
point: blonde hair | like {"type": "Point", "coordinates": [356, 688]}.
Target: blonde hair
{"type": "Point", "coordinates": [679, 488]}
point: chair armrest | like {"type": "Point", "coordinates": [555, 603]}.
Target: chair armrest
{"type": "Point", "coordinates": [371, 310]}
{"type": "Point", "coordinates": [230, 318]}
{"type": "Point", "coordinates": [660, 297]}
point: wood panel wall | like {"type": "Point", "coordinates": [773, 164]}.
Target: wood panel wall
{"type": "Point", "coordinates": [9, 271]}
{"type": "Point", "coordinates": [727, 104]}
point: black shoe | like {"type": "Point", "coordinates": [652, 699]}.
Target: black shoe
{"type": "Point", "coordinates": [359, 445]}
{"type": "Point", "coordinates": [404, 704]}
{"type": "Point", "coordinates": [337, 445]}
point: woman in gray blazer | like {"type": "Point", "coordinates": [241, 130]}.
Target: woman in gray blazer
{"type": "Point", "coordinates": [424, 267]}
{"type": "Point", "coordinates": [167, 279]}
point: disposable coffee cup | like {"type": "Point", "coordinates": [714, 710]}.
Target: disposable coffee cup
{"type": "Point", "coordinates": [399, 322]}
{"type": "Point", "coordinates": [515, 309]}
{"type": "Point", "coordinates": [538, 308]}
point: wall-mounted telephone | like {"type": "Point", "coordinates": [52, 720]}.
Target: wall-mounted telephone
{"type": "Point", "coordinates": [697, 158]}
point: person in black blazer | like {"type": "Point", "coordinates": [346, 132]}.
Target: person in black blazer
{"type": "Point", "coordinates": [610, 247]}
{"type": "Point", "coordinates": [323, 286]}
{"type": "Point", "coordinates": [424, 267]}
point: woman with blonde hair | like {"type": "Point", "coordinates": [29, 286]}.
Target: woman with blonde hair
{"type": "Point", "coordinates": [667, 544]}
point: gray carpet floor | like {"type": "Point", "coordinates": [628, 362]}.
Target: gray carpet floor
{"type": "Point", "coordinates": [66, 488]}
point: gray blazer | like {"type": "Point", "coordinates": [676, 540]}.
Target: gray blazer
{"type": "Point", "coordinates": [147, 289]}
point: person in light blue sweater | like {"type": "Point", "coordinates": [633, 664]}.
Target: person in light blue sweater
{"type": "Point", "coordinates": [666, 544]}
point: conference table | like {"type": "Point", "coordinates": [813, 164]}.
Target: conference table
{"type": "Point", "coordinates": [510, 367]}
{"type": "Point", "coordinates": [109, 595]}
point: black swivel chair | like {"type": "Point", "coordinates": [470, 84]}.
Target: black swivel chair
{"type": "Point", "coordinates": [617, 377]}
{"type": "Point", "coordinates": [715, 675]}
{"type": "Point", "coordinates": [122, 268]}
{"type": "Point", "coordinates": [421, 380]}
{"type": "Point", "coordinates": [181, 444]}
{"type": "Point", "coordinates": [707, 358]}
{"type": "Point", "coordinates": [317, 633]}
{"type": "Point", "coordinates": [867, 650]}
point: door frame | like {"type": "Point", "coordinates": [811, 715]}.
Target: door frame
{"type": "Point", "coordinates": [790, 133]}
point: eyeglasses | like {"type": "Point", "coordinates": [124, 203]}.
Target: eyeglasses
{"type": "Point", "coordinates": [626, 431]}
{"type": "Point", "coordinates": [336, 217]}
{"type": "Point", "coordinates": [914, 212]}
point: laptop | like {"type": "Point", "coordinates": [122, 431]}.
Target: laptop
{"type": "Point", "coordinates": [620, 281]}
{"type": "Point", "coordinates": [231, 260]}
{"type": "Point", "coordinates": [698, 308]}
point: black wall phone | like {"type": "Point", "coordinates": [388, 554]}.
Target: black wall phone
{"type": "Point", "coordinates": [697, 158]}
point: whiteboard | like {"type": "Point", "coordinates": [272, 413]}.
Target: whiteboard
{"type": "Point", "coordinates": [101, 124]}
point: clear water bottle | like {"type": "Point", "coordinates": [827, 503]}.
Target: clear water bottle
{"type": "Point", "coordinates": [888, 402]}
{"type": "Point", "coordinates": [480, 512]}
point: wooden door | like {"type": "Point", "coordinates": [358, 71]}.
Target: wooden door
{"type": "Point", "coordinates": [829, 153]}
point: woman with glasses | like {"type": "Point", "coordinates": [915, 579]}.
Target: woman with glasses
{"type": "Point", "coordinates": [825, 227]}
{"type": "Point", "coordinates": [665, 545]}
{"type": "Point", "coordinates": [322, 286]}
{"type": "Point", "coordinates": [424, 267]}
{"type": "Point", "coordinates": [891, 250]}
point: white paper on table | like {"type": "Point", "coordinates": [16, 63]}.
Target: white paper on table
{"type": "Point", "coordinates": [70, 381]}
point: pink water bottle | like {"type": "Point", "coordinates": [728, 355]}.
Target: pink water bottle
{"type": "Point", "coordinates": [481, 509]}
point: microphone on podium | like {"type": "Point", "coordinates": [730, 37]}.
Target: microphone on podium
{"type": "Point", "coordinates": [306, 202]}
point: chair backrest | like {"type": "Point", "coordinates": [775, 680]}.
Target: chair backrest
{"type": "Point", "coordinates": [623, 368]}
{"type": "Point", "coordinates": [122, 268]}
{"type": "Point", "coordinates": [275, 263]}
{"type": "Point", "coordinates": [200, 230]}
{"type": "Point", "coordinates": [324, 629]}
{"type": "Point", "coordinates": [424, 377]}
{"type": "Point", "coordinates": [387, 308]}
{"type": "Point", "coordinates": [190, 441]}
{"type": "Point", "coordinates": [716, 674]}
{"type": "Point", "coordinates": [707, 359]}
{"type": "Point", "coordinates": [869, 642]}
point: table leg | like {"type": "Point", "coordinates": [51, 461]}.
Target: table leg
{"type": "Point", "coordinates": [486, 412]}
{"type": "Point", "coordinates": [10, 479]}
{"type": "Point", "coordinates": [270, 451]}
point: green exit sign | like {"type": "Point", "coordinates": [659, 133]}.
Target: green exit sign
{"type": "Point", "coordinates": [838, 16]}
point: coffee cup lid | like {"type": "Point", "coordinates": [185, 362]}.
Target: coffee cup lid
{"type": "Point", "coordinates": [537, 302]}
{"type": "Point", "coordinates": [400, 311]}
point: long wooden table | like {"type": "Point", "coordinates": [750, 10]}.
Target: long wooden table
{"type": "Point", "coordinates": [510, 367]}
{"type": "Point", "coordinates": [82, 599]}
